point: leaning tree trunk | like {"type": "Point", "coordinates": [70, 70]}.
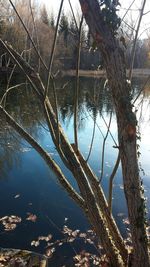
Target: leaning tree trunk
{"type": "Point", "coordinates": [114, 61]}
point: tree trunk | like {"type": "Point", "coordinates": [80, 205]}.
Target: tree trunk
{"type": "Point", "coordinates": [126, 120]}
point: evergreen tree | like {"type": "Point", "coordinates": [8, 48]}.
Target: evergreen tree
{"type": "Point", "coordinates": [52, 20]}
{"type": "Point", "coordinates": [73, 29]}
{"type": "Point", "coordinates": [89, 39]}
{"type": "Point", "coordinates": [44, 15]}
{"type": "Point", "coordinates": [64, 27]}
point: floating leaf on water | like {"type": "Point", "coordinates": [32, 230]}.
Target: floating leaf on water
{"type": "Point", "coordinates": [121, 186]}
{"type": "Point", "coordinates": [90, 231]}
{"type": "Point", "coordinates": [10, 226]}
{"type": "Point", "coordinates": [49, 252]}
{"type": "Point", "coordinates": [17, 196]}
{"type": "Point", "coordinates": [126, 221]}
{"type": "Point", "coordinates": [35, 243]}
{"type": "Point", "coordinates": [10, 222]}
{"type": "Point", "coordinates": [31, 217]}
{"type": "Point", "coordinates": [70, 239]}
{"type": "Point", "coordinates": [14, 219]}
{"type": "Point", "coordinates": [3, 218]}
{"type": "Point", "coordinates": [41, 238]}
{"type": "Point", "coordinates": [50, 244]}
{"type": "Point", "coordinates": [66, 230]}
{"type": "Point", "coordinates": [75, 233]}
{"type": "Point", "coordinates": [89, 241]}
{"type": "Point", "coordinates": [46, 238]}
{"type": "Point", "coordinates": [82, 235]}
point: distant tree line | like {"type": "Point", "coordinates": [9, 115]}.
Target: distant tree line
{"type": "Point", "coordinates": [41, 26]}
{"type": "Point", "coordinates": [42, 31]}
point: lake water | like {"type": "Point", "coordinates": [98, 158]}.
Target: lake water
{"type": "Point", "coordinates": [27, 185]}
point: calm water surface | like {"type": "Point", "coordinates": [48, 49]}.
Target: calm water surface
{"type": "Point", "coordinates": [24, 173]}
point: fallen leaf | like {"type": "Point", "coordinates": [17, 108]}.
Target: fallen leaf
{"type": "Point", "coordinates": [49, 252]}
{"type": "Point", "coordinates": [31, 217]}
{"type": "Point", "coordinates": [17, 196]}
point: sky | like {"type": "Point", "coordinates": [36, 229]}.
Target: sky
{"type": "Point", "coordinates": [53, 6]}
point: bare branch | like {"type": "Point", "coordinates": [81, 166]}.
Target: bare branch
{"type": "Point", "coordinates": [77, 87]}
{"type": "Point", "coordinates": [8, 90]}
{"type": "Point", "coordinates": [127, 10]}
{"type": "Point", "coordinates": [53, 49]}
{"type": "Point", "coordinates": [73, 15]}
{"type": "Point", "coordinates": [36, 34]}
{"type": "Point", "coordinates": [29, 35]}
{"type": "Point", "coordinates": [103, 149]}
{"type": "Point", "coordinates": [92, 140]}
{"type": "Point", "coordinates": [111, 179]}
{"type": "Point", "coordinates": [135, 40]}
{"type": "Point", "coordinates": [142, 88]}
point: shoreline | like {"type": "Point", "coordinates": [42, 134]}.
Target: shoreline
{"type": "Point", "coordinates": [87, 73]}
{"type": "Point", "coordinates": [102, 73]}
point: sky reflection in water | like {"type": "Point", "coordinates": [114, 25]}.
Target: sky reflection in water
{"type": "Point", "coordinates": [24, 173]}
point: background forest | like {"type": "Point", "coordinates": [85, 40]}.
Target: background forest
{"type": "Point", "coordinates": [41, 24]}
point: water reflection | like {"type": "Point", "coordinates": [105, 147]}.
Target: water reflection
{"type": "Point", "coordinates": [23, 105]}
{"type": "Point", "coordinates": [27, 174]}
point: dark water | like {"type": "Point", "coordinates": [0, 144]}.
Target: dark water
{"type": "Point", "coordinates": [24, 173]}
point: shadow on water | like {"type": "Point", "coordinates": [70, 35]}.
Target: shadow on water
{"type": "Point", "coordinates": [27, 185]}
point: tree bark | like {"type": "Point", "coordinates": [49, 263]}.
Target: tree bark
{"type": "Point", "coordinates": [126, 120]}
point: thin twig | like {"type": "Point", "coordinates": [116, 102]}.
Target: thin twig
{"type": "Point", "coordinates": [53, 49]}
{"type": "Point", "coordinates": [111, 179]}
{"type": "Point", "coordinates": [135, 40]}
{"type": "Point", "coordinates": [109, 130]}
{"type": "Point", "coordinates": [127, 10]}
{"type": "Point", "coordinates": [147, 80]}
{"type": "Point", "coordinates": [29, 35]}
{"type": "Point", "coordinates": [103, 149]}
{"type": "Point", "coordinates": [36, 33]}
{"type": "Point", "coordinates": [92, 140]}
{"type": "Point", "coordinates": [9, 79]}
{"type": "Point", "coordinates": [8, 90]}
{"type": "Point", "coordinates": [56, 111]}
{"type": "Point", "coordinates": [76, 98]}
{"type": "Point", "coordinates": [73, 15]}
